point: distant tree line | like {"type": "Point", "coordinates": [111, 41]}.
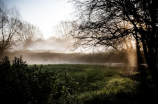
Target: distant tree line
{"type": "Point", "coordinates": [110, 57]}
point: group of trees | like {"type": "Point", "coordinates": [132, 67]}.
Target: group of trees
{"type": "Point", "coordinates": [14, 31]}
{"type": "Point", "coordinates": [112, 23]}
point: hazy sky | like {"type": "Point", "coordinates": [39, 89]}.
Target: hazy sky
{"type": "Point", "coordinates": [43, 13]}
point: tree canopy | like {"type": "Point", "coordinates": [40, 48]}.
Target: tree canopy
{"type": "Point", "coordinates": [110, 22]}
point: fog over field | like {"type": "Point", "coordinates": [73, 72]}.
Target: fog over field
{"type": "Point", "coordinates": [38, 46]}
{"type": "Point", "coordinates": [53, 36]}
{"type": "Point", "coordinates": [79, 51]}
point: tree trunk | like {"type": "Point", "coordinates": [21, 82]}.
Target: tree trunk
{"type": "Point", "coordinates": [152, 47]}
{"type": "Point", "coordinates": [150, 57]}
{"type": "Point", "coordinates": [153, 70]}
{"type": "Point", "coordinates": [139, 58]}
{"type": "Point", "coordinates": [1, 52]}
{"type": "Point", "coordinates": [152, 64]}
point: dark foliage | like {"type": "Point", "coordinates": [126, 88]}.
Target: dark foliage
{"type": "Point", "coordinates": [21, 84]}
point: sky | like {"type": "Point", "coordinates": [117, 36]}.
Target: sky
{"type": "Point", "coordinates": [45, 14]}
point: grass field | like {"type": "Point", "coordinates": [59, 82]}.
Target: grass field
{"type": "Point", "coordinates": [99, 84]}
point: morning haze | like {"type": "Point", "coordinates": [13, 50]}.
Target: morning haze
{"type": "Point", "coordinates": [78, 51]}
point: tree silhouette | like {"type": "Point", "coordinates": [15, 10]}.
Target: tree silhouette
{"type": "Point", "coordinates": [100, 24]}
{"type": "Point", "coordinates": [10, 27]}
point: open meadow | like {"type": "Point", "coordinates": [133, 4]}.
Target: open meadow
{"type": "Point", "coordinates": [100, 84]}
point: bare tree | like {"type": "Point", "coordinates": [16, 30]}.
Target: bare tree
{"type": "Point", "coordinates": [63, 29]}
{"type": "Point", "coordinates": [100, 25]}
{"type": "Point", "coordinates": [30, 34]}
{"type": "Point", "coordinates": [10, 27]}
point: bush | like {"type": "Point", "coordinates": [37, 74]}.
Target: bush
{"type": "Point", "coordinates": [21, 84]}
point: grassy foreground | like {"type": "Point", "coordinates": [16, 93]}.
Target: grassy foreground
{"type": "Point", "coordinates": [74, 84]}
{"type": "Point", "coordinates": [99, 84]}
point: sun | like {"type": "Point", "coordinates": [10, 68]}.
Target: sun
{"type": "Point", "coordinates": [125, 24]}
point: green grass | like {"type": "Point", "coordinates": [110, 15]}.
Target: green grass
{"type": "Point", "coordinates": [104, 84]}
{"type": "Point", "coordinates": [79, 71]}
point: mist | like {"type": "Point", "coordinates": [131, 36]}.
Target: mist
{"type": "Point", "coordinates": [61, 51]}
{"type": "Point", "coordinates": [104, 58]}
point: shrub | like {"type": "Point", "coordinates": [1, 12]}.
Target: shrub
{"type": "Point", "coordinates": [21, 84]}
